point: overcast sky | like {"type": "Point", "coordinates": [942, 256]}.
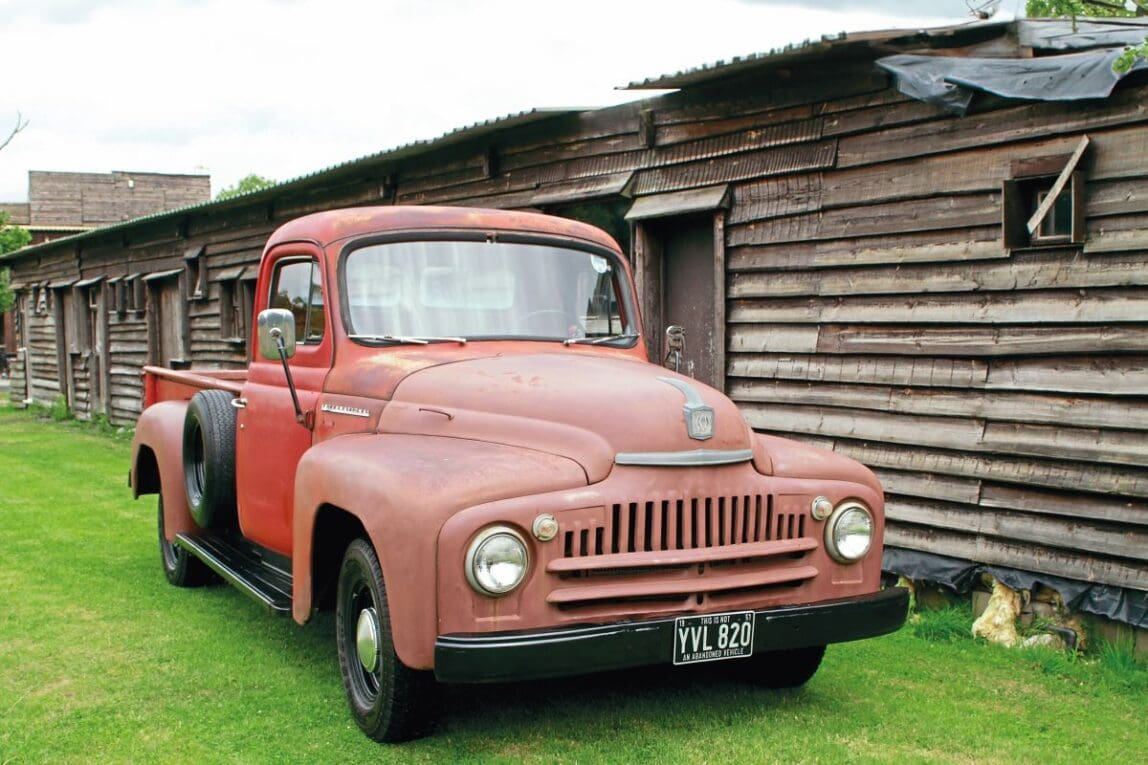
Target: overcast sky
{"type": "Point", "coordinates": [283, 88]}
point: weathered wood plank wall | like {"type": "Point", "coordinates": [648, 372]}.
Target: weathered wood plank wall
{"type": "Point", "coordinates": [872, 306]}
{"type": "Point", "coordinates": [1000, 396]}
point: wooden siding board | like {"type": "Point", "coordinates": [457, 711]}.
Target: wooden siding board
{"type": "Point", "coordinates": [1085, 444]}
{"type": "Point", "coordinates": [775, 338]}
{"type": "Point", "coordinates": [877, 111]}
{"type": "Point", "coordinates": [682, 132]}
{"type": "Point", "coordinates": [769, 162]}
{"type": "Point", "coordinates": [889, 370]}
{"type": "Point", "coordinates": [982, 168]}
{"type": "Point", "coordinates": [1027, 307]}
{"type": "Point", "coordinates": [1053, 532]}
{"type": "Point", "coordinates": [1032, 271]}
{"type": "Point", "coordinates": [920, 247]}
{"type": "Point", "coordinates": [930, 214]}
{"type": "Point", "coordinates": [1125, 413]}
{"type": "Point", "coordinates": [776, 198]}
{"type": "Point", "coordinates": [933, 432]}
{"type": "Point", "coordinates": [976, 341]}
{"type": "Point", "coordinates": [1068, 564]}
{"type": "Point", "coordinates": [1007, 125]}
{"type": "Point", "coordinates": [1056, 473]}
{"type": "Point", "coordinates": [930, 486]}
{"type": "Point", "coordinates": [1120, 375]}
{"type": "Point", "coordinates": [964, 434]}
{"type": "Point", "coordinates": [770, 96]}
{"type": "Point", "coordinates": [1117, 510]}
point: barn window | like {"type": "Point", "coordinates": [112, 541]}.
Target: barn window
{"type": "Point", "coordinates": [86, 297]}
{"type": "Point", "coordinates": [236, 302]}
{"type": "Point", "coordinates": [1044, 202]}
{"type": "Point", "coordinates": [1056, 225]}
{"type": "Point", "coordinates": [135, 295]}
{"type": "Point", "coordinates": [116, 308]}
{"type": "Point", "coordinates": [196, 278]}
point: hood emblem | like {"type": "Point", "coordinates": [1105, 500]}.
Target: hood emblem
{"type": "Point", "coordinates": [699, 417]}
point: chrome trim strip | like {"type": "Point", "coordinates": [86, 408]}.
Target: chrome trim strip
{"type": "Point", "coordinates": [353, 411]}
{"type": "Point", "coordinates": [693, 398]}
{"type": "Point", "coordinates": [695, 458]}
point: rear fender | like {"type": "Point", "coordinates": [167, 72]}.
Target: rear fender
{"type": "Point", "coordinates": [160, 430]}
{"type": "Point", "coordinates": [402, 488]}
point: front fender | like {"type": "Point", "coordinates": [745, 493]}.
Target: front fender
{"type": "Point", "coordinates": [794, 459]}
{"type": "Point", "coordinates": [402, 488]}
{"type": "Point", "coordinates": [160, 430]}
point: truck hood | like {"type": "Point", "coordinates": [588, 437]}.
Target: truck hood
{"type": "Point", "coordinates": [586, 408]}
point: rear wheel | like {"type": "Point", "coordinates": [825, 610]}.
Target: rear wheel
{"type": "Point", "coordinates": [389, 701]}
{"type": "Point", "coordinates": [179, 566]}
{"type": "Point", "coordinates": [781, 669]}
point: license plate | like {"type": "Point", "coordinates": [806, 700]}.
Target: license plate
{"type": "Point", "coordinates": [713, 637]}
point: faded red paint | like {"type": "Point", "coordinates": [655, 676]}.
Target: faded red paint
{"type": "Point", "coordinates": [455, 437]}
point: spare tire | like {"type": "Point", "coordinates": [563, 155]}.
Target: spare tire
{"type": "Point", "coordinates": [209, 459]}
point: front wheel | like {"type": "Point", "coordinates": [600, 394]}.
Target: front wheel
{"type": "Point", "coordinates": [389, 701]}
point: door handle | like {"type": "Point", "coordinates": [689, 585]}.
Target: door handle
{"type": "Point", "coordinates": [239, 403]}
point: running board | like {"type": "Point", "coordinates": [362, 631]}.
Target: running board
{"type": "Point", "coordinates": [243, 567]}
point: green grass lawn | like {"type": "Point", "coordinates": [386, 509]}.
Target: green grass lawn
{"type": "Point", "coordinates": [102, 661]}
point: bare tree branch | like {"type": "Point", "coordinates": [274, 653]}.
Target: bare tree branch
{"type": "Point", "coordinates": [21, 123]}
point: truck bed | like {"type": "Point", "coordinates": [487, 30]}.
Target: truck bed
{"type": "Point", "coordinates": [163, 384]}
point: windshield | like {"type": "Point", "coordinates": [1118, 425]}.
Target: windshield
{"type": "Point", "coordinates": [481, 290]}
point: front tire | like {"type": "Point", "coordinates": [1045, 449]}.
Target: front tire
{"type": "Point", "coordinates": [389, 701]}
{"type": "Point", "coordinates": [179, 566]}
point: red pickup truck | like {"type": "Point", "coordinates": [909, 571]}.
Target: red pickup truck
{"type": "Point", "coordinates": [449, 432]}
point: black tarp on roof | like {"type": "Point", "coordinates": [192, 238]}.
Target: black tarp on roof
{"type": "Point", "coordinates": [952, 82]}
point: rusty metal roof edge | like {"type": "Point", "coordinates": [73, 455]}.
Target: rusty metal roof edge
{"type": "Point", "coordinates": [402, 151]}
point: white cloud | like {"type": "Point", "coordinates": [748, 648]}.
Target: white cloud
{"type": "Point", "coordinates": [283, 88]}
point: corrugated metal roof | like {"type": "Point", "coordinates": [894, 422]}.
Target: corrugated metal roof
{"type": "Point", "coordinates": [414, 148]}
{"type": "Point", "coordinates": [810, 49]}
{"type": "Point", "coordinates": [1045, 34]}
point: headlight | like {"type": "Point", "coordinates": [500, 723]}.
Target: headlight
{"type": "Point", "coordinates": [849, 532]}
{"type": "Point", "coordinates": [496, 561]}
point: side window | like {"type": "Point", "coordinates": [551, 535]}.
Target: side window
{"type": "Point", "coordinates": [297, 287]}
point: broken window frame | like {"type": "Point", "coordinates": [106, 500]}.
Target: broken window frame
{"type": "Point", "coordinates": [1026, 207]}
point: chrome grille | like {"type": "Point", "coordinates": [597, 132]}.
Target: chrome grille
{"type": "Point", "coordinates": [682, 524]}
{"type": "Point", "coordinates": [669, 553]}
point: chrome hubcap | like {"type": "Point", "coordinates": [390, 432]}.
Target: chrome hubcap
{"type": "Point", "coordinates": [367, 639]}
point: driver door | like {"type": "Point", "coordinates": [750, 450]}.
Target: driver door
{"type": "Point", "coordinates": [269, 440]}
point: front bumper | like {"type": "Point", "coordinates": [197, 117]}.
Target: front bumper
{"type": "Point", "coordinates": [506, 656]}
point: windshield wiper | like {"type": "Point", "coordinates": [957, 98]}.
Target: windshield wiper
{"type": "Point", "coordinates": [404, 340]}
{"type": "Point", "coordinates": [598, 340]}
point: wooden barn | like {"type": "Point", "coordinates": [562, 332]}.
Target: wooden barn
{"type": "Point", "coordinates": [927, 250]}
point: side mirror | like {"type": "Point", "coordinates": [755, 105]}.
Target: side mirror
{"type": "Point", "coordinates": [275, 323]}
{"type": "Point", "coordinates": [675, 347]}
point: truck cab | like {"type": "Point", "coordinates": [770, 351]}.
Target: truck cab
{"type": "Point", "coordinates": [450, 433]}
